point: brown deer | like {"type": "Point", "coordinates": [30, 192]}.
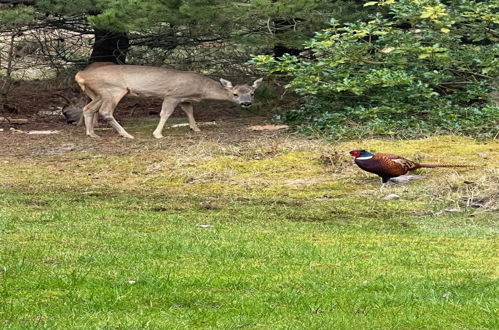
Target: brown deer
{"type": "Point", "coordinates": [107, 85]}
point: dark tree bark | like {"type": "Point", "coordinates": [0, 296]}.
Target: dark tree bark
{"type": "Point", "coordinates": [280, 50]}
{"type": "Point", "coordinates": [110, 47]}
{"type": "Point", "coordinates": [281, 26]}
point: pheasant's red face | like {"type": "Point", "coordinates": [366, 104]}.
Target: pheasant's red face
{"type": "Point", "coordinates": [355, 153]}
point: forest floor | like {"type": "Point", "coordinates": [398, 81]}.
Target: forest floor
{"type": "Point", "coordinates": [232, 227]}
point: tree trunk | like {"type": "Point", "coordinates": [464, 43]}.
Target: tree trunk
{"type": "Point", "coordinates": [282, 26]}
{"type": "Point", "coordinates": [6, 85]}
{"type": "Point", "coordinates": [110, 47]}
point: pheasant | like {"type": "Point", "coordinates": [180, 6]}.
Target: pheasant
{"type": "Point", "coordinates": [389, 166]}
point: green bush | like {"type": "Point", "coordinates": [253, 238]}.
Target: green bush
{"type": "Point", "coordinates": [416, 67]}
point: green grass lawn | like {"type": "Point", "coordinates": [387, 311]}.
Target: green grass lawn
{"type": "Point", "coordinates": [258, 233]}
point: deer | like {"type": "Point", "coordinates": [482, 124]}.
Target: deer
{"type": "Point", "coordinates": [107, 85]}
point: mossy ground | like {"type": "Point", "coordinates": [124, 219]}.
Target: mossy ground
{"type": "Point", "coordinates": [232, 228]}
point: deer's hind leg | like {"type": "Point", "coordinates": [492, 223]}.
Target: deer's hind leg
{"type": "Point", "coordinates": [89, 114]}
{"type": "Point", "coordinates": [93, 96]}
{"type": "Point", "coordinates": [106, 110]}
{"type": "Point", "coordinates": [189, 111]}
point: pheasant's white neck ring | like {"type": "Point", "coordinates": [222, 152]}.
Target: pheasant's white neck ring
{"type": "Point", "coordinates": [364, 158]}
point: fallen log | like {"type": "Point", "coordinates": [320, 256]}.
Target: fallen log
{"type": "Point", "coordinates": [13, 120]}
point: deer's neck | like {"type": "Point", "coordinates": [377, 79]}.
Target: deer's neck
{"type": "Point", "coordinates": [214, 91]}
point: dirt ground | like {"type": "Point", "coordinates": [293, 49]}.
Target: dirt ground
{"type": "Point", "coordinates": [72, 138]}
{"type": "Point", "coordinates": [15, 140]}
{"type": "Point", "coordinates": [221, 121]}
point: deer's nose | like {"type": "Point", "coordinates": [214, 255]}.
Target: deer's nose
{"type": "Point", "coordinates": [245, 104]}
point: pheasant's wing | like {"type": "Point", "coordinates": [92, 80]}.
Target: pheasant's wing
{"type": "Point", "coordinates": [397, 165]}
{"type": "Point", "coordinates": [405, 163]}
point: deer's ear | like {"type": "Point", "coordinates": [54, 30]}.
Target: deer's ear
{"type": "Point", "coordinates": [225, 83]}
{"type": "Point", "coordinates": [257, 83]}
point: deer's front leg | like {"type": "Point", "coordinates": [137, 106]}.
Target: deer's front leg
{"type": "Point", "coordinates": [189, 111]}
{"type": "Point", "coordinates": [166, 111]}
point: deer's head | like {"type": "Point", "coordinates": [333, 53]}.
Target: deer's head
{"type": "Point", "coordinates": [241, 94]}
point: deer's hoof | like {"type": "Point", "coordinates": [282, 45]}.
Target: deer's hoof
{"type": "Point", "coordinates": [158, 136]}
{"type": "Point", "coordinates": [93, 135]}
{"type": "Point", "coordinates": [195, 129]}
{"type": "Point", "coordinates": [128, 136]}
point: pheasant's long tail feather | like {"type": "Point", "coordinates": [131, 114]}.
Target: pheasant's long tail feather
{"type": "Point", "coordinates": [443, 165]}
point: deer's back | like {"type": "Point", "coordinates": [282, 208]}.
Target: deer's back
{"type": "Point", "coordinates": [145, 81]}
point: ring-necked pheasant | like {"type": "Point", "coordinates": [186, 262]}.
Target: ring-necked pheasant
{"type": "Point", "coordinates": [389, 166]}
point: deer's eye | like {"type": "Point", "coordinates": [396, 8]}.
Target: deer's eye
{"type": "Point", "coordinates": [236, 95]}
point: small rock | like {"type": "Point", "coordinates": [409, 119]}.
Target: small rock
{"type": "Point", "coordinates": [405, 179]}
{"type": "Point", "coordinates": [131, 282]}
{"type": "Point", "coordinates": [205, 226]}
{"type": "Point", "coordinates": [484, 155]}
{"type": "Point", "coordinates": [452, 210]}
{"type": "Point", "coordinates": [390, 197]}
